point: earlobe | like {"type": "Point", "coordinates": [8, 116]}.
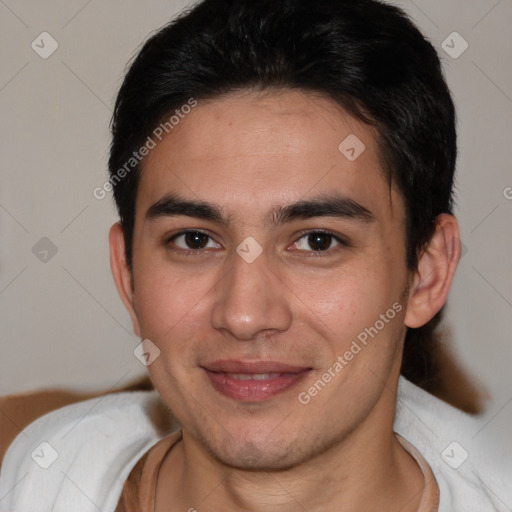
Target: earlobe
{"type": "Point", "coordinates": [121, 272]}
{"type": "Point", "coordinates": [434, 274]}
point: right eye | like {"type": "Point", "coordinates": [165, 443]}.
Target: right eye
{"type": "Point", "coordinates": [191, 241]}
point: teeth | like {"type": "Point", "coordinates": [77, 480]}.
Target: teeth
{"type": "Point", "coordinates": [263, 376]}
{"type": "Point", "coordinates": [253, 376]}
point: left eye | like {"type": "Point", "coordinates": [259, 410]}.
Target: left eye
{"type": "Point", "coordinates": [319, 241]}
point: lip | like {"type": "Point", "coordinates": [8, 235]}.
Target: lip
{"type": "Point", "coordinates": [236, 379]}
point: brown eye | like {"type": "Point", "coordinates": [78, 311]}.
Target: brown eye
{"type": "Point", "coordinates": [196, 240]}
{"type": "Point", "coordinates": [192, 240]}
{"type": "Point", "coordinates": [318, 241]}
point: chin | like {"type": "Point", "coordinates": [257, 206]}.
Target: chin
{"type": "Point", "coordinates": [257, 454]}
{"type": "Point", "coordinates": [250, 457]}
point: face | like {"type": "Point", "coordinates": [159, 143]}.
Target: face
{"type": "Point", "coordinates": [269, 270]}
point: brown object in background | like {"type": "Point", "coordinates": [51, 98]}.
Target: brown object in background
{"type": "Point", "coordinates": [428, 362]}
{"type": "Point", "coordinates": [456, 386]}
{"type": "Point", "coordinates": [18, 411]}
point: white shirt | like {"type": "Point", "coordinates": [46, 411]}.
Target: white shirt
{"type": "Point", "coordinates": [76, 459]}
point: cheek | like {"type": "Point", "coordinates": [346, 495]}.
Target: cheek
{"type": "Point", "coordinates": [344, 294]}
{"type": "Point", "coordinates": [349, 303]}
{"type": "Point", "coordinates": [167, 301]}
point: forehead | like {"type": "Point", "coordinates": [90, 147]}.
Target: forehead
{"type": "Point", "coordinates": [249, 150]}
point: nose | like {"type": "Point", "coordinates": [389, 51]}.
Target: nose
{"type": "Point", "coordinates": [251, 300]}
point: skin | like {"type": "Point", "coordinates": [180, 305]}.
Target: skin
{"type": "Point", "coordinates": [248, 153]}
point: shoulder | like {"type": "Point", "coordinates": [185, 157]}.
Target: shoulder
{"type": "Point", "coordinates": [79, 454]}
{"type": "Point", "coordinates": [469, 473]}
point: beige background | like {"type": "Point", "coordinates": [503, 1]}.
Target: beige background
{"type": "Point", "coordinates": [62, 323]}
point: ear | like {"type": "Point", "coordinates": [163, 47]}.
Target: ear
{"type": "Point", "coordinates": [433, 277]}
{"type": "Point", "coordinates": [121, 272]}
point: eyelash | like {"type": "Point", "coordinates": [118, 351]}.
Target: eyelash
{"type": "Point", "coordinates": [314, 254]}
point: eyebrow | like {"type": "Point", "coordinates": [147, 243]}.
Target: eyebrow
{"type": "Point", "coordinates": [338, 206]}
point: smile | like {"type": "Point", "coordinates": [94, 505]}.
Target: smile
{"type": "Point", "coordinates": [253, 381]}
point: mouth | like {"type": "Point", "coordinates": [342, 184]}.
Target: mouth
{"type": "Point", "coordinates": [253, 381]}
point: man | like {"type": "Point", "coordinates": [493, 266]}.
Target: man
{"type": "Point", "coordinates": [283, 173]}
